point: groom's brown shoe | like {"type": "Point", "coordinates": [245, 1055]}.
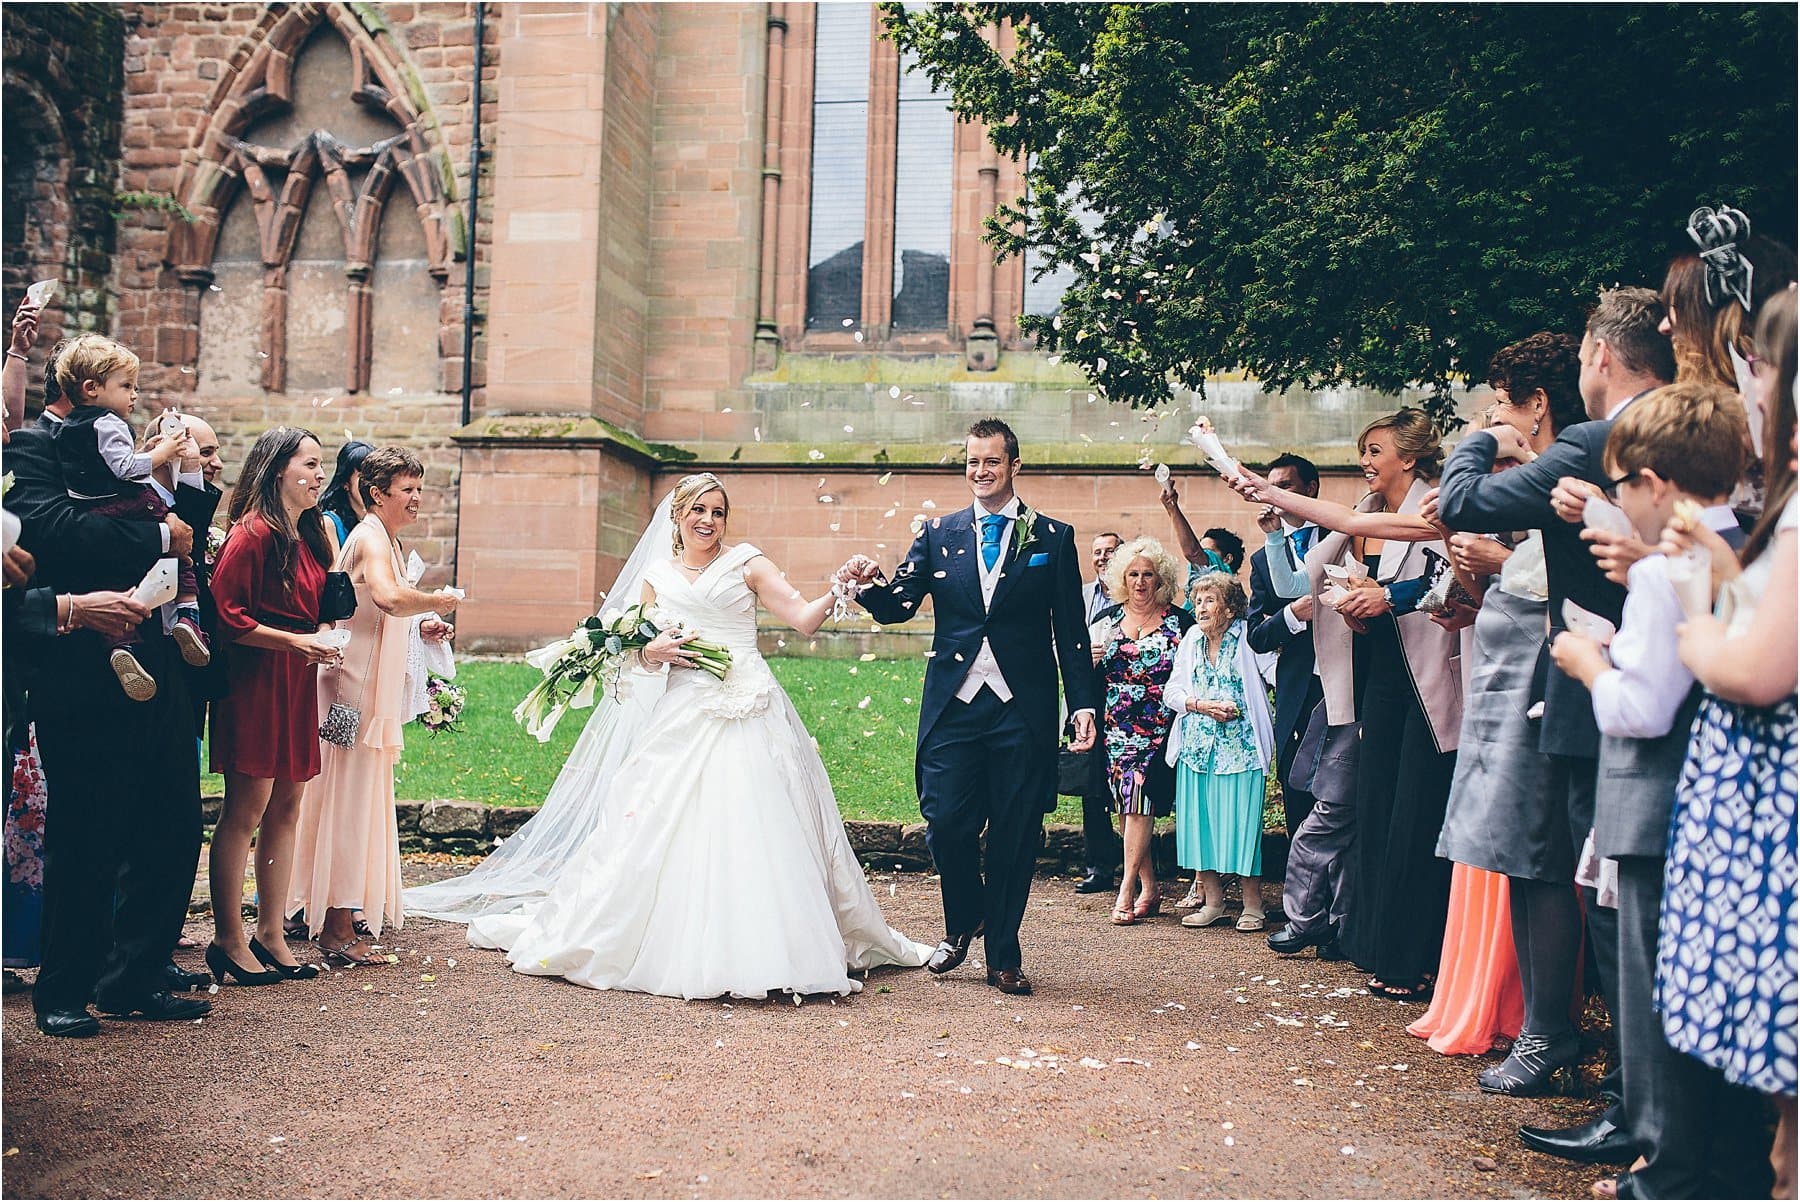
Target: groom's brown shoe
{"type": "Point", "coordinates": [1009, 980]}
{"type": "Point", "coordinates": [951, 952]}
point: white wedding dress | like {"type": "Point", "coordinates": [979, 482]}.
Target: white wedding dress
{"type": "Point", "coordinates": [717, 863]}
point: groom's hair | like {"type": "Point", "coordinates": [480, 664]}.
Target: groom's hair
{"type": "Point", "coordinates": [987, 427]}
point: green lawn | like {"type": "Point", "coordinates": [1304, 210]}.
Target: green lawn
{"type": "Point", "coordinates": [867, 750]}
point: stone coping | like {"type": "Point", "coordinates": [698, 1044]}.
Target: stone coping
{"type": "Point", "coordinates": [470, 828]}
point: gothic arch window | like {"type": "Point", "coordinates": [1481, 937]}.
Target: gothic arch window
{"type": "Point", "coordinates": [308, 148]}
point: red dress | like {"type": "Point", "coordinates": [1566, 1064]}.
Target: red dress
{"type": "Point", "coordinates": [267, 724]}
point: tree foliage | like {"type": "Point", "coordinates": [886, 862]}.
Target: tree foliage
{"type": "Point", "coordinates": [1381, 195]}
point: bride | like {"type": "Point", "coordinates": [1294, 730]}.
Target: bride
{"type": "Point", "coordinates": [691, 846]}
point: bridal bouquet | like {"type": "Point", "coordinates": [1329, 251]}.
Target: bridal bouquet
{"type": "Point", "coordinates": [446, 704]}
{"type": "Point", "coordinates": [578, 669]}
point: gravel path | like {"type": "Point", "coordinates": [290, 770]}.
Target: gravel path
{"type": "Point", "coordinates": [1152, 1062]}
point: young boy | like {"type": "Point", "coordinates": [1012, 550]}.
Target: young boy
{"type": "Point", "coordinates": [102, 470]}
{"type": "Point", "coordinates": [1682, 443]}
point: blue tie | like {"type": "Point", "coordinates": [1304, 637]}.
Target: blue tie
{"type": "Point", "coordinates": [1298, 538]}
{"type": "Point", "coordinates": [991, 526]}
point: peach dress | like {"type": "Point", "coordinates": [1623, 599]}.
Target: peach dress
{"type": "Point", "coordinates": [1477, 1003]}
{"type": "Point", "coordinates": [347, 848]}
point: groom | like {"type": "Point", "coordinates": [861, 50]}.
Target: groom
{"type": "Point", "coordinates": [1003, 582]}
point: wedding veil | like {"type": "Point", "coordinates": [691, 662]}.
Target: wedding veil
{"type": "Point", "coordinates": [522, 869]}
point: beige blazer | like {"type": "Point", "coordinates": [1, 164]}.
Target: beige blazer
{"type": "Point", "coordinates": [1434, 656]}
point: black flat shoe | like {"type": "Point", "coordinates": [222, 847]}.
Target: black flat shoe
{"type": "Point", "coordinates": [1599, 1141]}
{"type": "Point", "coordinates": [290, 972]}
{"type": "Point", "coordinates": [1095, 882]}
{"type": "Point", "coordinates": [177, 979]}
{"type": "Point", "coordinates": [160, 1007]}
{"type": "Point", "coordinates": [1331, 951]}
{"type": "Point", "coordinates": [225, 968]}
{"type": "Point", "coordinates": [1530, 1069]}
{"type": "Point", "coordinates": [71, 1024]}
{"type": "Point", "coordinates": [1287, 941]}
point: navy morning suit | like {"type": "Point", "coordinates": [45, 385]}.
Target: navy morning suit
{"type": "Point", "coordinates": [987, 763]}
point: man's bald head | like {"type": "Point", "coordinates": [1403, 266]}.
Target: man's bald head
{"type": "Point", "coordinates": [211, 466]}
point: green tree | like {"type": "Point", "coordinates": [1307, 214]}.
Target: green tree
{"type": "Point", "coordinates": [1382, 195]}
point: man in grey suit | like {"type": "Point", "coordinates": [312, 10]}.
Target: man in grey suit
{"type": "Point", "coordinates": [1623, 356]}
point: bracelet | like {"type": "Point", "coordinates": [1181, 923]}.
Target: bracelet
{"type": "Point", "coordinates": [67, 625]}
{"type": "Point", "coordinates": [12, 354]}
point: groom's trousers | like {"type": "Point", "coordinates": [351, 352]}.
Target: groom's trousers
{"type": "Point", "coordinates": [982, 766]}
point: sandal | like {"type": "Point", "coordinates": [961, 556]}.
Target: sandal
{"type": "Point", "coordinates": [1191, 899]}
{"type": "Point", "coordinates": [1252, 920]}
{"type": "Point", "coordinates": [1124, 916]}
{"type": "Point", "coordinates": [1206, 916]}
{"type": "Point", "coordinates": [1148, 909]}
{"type": "Point", "coordinates": [340, 954]}
{"type": "Point", "coordinates": [1417, 993]}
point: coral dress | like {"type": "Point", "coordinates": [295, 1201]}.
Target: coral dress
{"type": "Point", "coordinates": [347, 848]}
{"type": "Point", "coordinates": [1478, 1002]}
{"type": "Point", "coordinates": [267, 724]}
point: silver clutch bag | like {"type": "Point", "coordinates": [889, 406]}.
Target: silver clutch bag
{"type": "Point", "coordinates": [341, 724]}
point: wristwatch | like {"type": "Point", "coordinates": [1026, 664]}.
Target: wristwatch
{"type": "Point", "coordinates": [1387, 594]}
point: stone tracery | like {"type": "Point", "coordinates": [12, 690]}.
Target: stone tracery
{"type": "Point", "coordinates": [227, 159]}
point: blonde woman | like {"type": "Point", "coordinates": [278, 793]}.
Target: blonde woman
{"type": "Point", "coordinates": [1135, 664]}
{"type": "Point", "coordinates": [1220, 747]}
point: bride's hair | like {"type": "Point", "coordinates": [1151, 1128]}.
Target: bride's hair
{"type": "Point", "coordinates": [687, 491]}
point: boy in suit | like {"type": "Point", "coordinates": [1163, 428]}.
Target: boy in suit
{"type": "Point", "coordinates": [1683, 443]}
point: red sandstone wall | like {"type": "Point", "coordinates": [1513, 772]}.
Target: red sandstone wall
{"type": "Point", "coordinates": [179, 58]}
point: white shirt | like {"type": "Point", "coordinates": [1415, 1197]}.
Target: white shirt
{"type": "Point", "coordinates": [1620, 407]}
{"type": "Point", "coordinates": [1640, 696]}
{"type": "Point", "coordinates": [986, 669]}
{"type": "Point", "coordinates": [118, 451]}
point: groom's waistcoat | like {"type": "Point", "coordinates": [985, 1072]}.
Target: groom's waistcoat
{"type": "Point", "coordinates": [1035, 619]}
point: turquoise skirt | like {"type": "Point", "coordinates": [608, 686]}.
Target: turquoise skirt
{"type": "Point", "coordinates": [1219, 821]}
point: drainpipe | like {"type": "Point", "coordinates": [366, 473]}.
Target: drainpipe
{"type": "Point", "coordinates": [468, 314]}
{"type": "Point", "coordinates": [468, 341]}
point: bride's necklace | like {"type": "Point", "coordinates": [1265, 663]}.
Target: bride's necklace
{"type": "Point", "coordinates": [681, 558]}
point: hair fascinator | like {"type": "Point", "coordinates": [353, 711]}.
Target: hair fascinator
{"type": "Point", "coordinates": [1718, 233]}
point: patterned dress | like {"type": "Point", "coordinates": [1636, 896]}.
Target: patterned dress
{"type": "Point", "coordinates": [1728, 960]}
{"type": "Point", "coordinates": [1727, 963]}
{"type": "Point", "coordinates": [1137, 721]}
{"type": "Point", "coordinates": [1220, 779]}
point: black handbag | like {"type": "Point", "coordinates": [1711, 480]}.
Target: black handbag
{"type": "Point", "coordinates": [337, 602]}
{"type": "Point", "coordinates": [1075, 771]}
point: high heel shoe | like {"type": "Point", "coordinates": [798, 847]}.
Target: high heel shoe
{"type": "Point", "coordinates": [225, 968]}
{"type": "Point", "coordinates": [291, 972]}
{"type": "Point", "coordinates": [1147, 908]}
{"type": "Point", "coordinates": [1530, 1069]}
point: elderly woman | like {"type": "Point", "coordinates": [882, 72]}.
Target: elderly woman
{"type": "Point", "coordinates": [348, 850]}
{"type": "Point", "coordinates": [1220, 747]}
{"type": "Point", "coordinates": [1142, 578]}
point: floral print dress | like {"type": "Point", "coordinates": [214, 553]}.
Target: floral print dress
{"type": "Point", "coordinates": [1137, 722]}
